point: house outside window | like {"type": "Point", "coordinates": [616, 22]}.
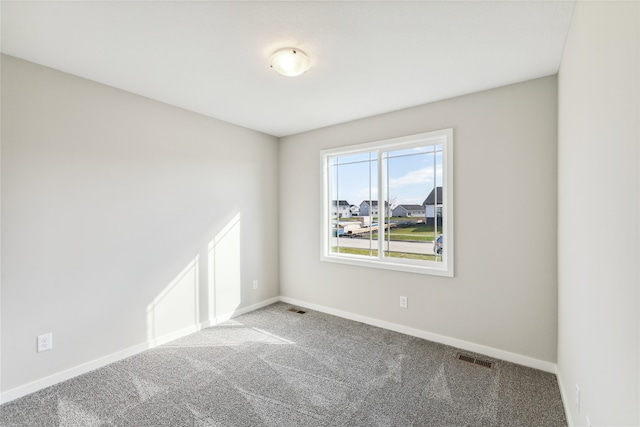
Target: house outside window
{"type": "Point", "coordinates": [433, 206]}
{"type": "Point", "coordinates": [398, 174]}
{"type": "Point", "coordinates": [340, 208]}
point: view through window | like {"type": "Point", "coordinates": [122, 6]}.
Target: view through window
{"type": "Point", "coordinates": [388, 203]}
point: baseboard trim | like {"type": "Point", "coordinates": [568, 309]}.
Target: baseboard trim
{"type": "Point", "coordinates": [566, 401]}
{"type": "Point", "coordinates": [224, 317]}
{"type": "Point", "coordinates": [442, 339]}
{"type": "Point", "coordinates": [34, 386]}
{"type": "Point", "coordinates": [67, 374]}
{"type": "Point", "coordinates": [173, 336]}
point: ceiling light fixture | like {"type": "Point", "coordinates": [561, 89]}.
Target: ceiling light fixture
{"type": "Point", "coordinates": [290, 61]}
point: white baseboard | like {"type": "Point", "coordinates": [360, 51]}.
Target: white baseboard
{"type": "Point", "coordinates": [224, 317]}
{"type": "Point", "coordinates": [67, 374]}
{"type": "Point", "coordinates": [442, 339]}
{"type": "Point", "coordinates": [172, 336]}
{"type": "Point", "coordinates": [41, 383]}
{"type": "Point", "coordinates": [566, 401]}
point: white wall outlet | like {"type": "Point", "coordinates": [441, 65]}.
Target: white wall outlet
{"type": "Point", "coordinates": [577, 398]}
{"type": "Point", "coordinates": [45, 342]}
{"type": "Point", "coordinates": [404, 303]}
{"type": "Point", "coordinates": [255, 284]}
{"type": "Point", "coordinates": [588, 422]}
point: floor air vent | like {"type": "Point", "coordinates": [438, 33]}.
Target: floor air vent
{"type": "Point", "coordinates": [474, 361]}
{"type": "Point", "coordinates": [295, 310]}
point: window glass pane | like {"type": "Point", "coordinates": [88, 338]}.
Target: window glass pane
{"type": "Point", "coordinates": [359, 157]}
{"type": "Point", "coordinates": [410, 233]}
{"type": "Point", "coordinates": [411, 151]}
{"type": "Point", "coordinates": [355, 186]}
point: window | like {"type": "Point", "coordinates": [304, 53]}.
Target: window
{"type": "Point", "coordinates": [378, 177]}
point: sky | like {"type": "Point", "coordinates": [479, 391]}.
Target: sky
{"type": "Point", "coordinates": [410, 176]}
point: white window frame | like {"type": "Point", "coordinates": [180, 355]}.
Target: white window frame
{"type": "Point", "coordinates": [445, 267]}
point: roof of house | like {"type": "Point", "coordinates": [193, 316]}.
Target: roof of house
{"type": "Point", "coordinates": [431, 197]}
{"type": "Point", "coordinates": [374, 203]}
{"type": "Point", "coordinates": [412, 207]}
{"type": "Point", "coordinates": [342, 203]}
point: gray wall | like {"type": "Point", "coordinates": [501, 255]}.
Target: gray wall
{"type": "Point", "coordinates": [124, 220]}
{"type": "Point", "coordinates": [598, 214]}
{"type": "Point", "coordinates": [504, 292]}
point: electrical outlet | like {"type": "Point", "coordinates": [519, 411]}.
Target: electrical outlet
{"type": "Point", "coordinates": [255, 284]}
{"type": "Point", "coordinates": [588, 422]}
{"type": "Point", "coordinates": [577, 398]}
{"type": "Point", "coordinates": [404, 302]}
{"type": "Point", "coordinates": [45, 342]}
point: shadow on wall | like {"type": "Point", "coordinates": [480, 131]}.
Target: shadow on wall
{"type": "Point", "coordinates": [176, 309]}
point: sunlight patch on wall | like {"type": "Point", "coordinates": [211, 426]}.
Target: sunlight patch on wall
{"type": "Point", "coordinates": [176, 307]}
{"type": "Point", "coordinates": [224, 279]}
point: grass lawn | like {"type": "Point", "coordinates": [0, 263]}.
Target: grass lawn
{"type": "Point", "coordinates": [421, 232]}
{"type": "Point", "coordinates": [375, 253]}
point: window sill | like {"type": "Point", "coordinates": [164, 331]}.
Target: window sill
{"type": "Point", "coordinates": [433, 270]}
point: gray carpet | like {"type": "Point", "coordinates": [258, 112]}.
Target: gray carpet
{"type": "Point", "coordinates": [273, 367]}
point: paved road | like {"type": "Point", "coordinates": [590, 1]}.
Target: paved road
{"type": "Point", "coordinates": [425, 248]}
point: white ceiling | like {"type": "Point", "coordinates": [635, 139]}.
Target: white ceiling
{"type": "Point", "coordinates": [367, 57]}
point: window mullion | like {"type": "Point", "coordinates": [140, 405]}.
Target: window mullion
{"type": "Point", "coordinates": [435, 202]}
{"type": "Point", "coordinates": [370, 210]}
{"type": "Point", "coordinates": [328, 199]}
{"type": "Point", "coordinates": [381, 198]}
{"type": "Point", "coordinates": [337, 206]}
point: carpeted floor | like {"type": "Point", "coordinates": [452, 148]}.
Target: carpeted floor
{"type": "Point", "coordinates": [274, 367]}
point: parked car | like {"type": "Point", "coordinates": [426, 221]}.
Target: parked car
{"type": "Point", "coordinates": [438, 245]}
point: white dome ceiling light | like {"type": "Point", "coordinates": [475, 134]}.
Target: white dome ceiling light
{"type": "Point", "coordinates": [290, 61]}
